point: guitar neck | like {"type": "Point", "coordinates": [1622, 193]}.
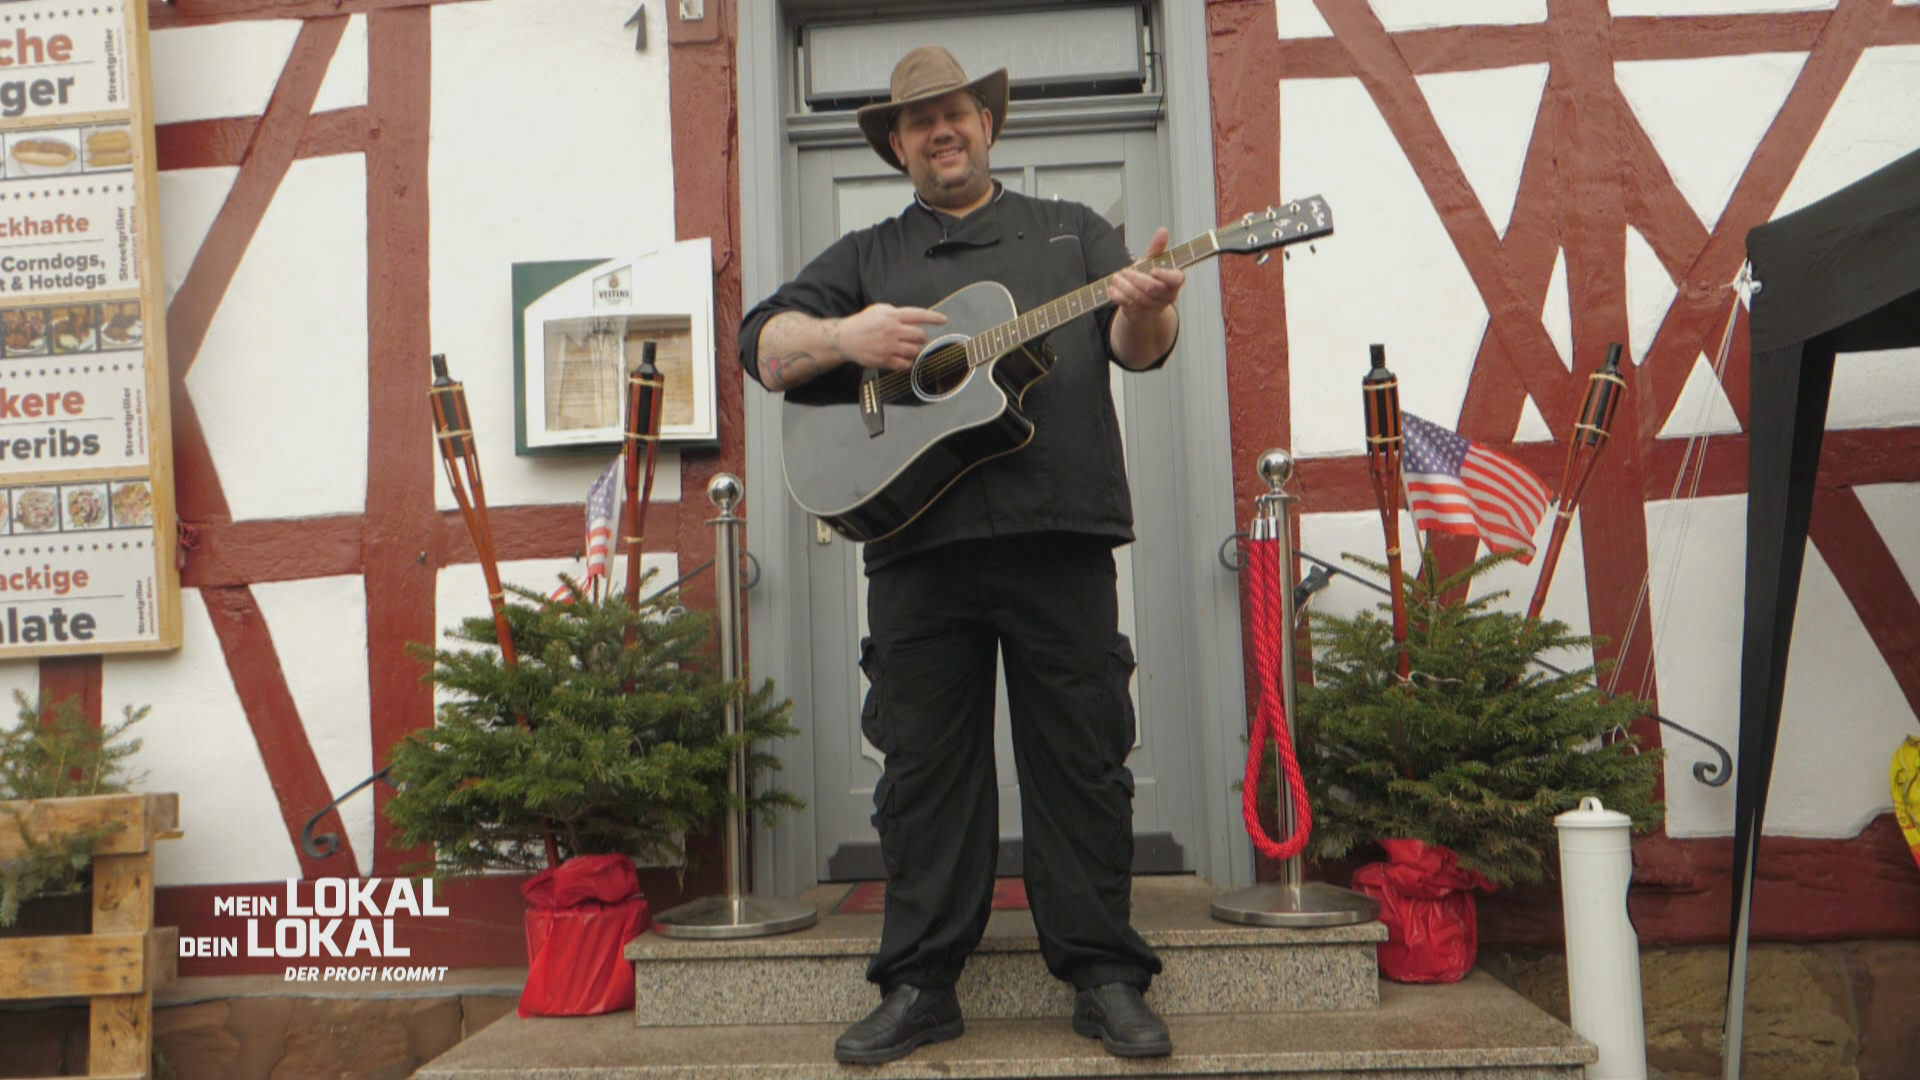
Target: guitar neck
{"type": "Point", "coordinates": [1043, 320]}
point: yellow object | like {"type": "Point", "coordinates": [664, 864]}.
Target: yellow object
{"type": "Point", "coordinates": [1906, 791]}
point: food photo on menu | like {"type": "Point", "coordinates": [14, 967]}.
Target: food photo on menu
{"type": "Point", "coordinates": [71, 329]}
{"type": "Point", "coordinates": [6, 514]}
{"type": "Point", "coordinates": [109, 148]}
{"type": "Point", "coordinates": [43, 153]}
{"type": "Point", "coordinates": [120, 325]}
{"type": "Point", "coordinates": [86, 506]}
{"type": "Point", "coordinates": [132, 503]}
{"type": "Point", "coordinates": [36, 510]}
{"type": "Point", "coordinates": [24, 331]}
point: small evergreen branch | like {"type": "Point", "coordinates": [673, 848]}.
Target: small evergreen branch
{"type": "Point", "coordinates": [1479, 750]}
{"type": "Point", "coordinates": [604, 768]}
{"type": "Point", "coordinates": [53, 752]}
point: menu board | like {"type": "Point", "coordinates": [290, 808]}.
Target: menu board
{"type": "Point", "coordinates": [86, 470]}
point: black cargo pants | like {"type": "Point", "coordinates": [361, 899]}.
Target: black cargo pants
{"type": "Point", "coordinates": [1048, 604]}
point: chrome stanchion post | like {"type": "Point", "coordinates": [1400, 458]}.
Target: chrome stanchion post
{"type": "Point", "coordinates": [737, 914]}
{"type": "Point", "coordinates": [1292, 900]}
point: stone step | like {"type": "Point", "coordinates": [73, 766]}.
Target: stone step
{"type": "Point", "coordinates": [1473, 1030]}
{"type": "Point", "coordinates": [818, 975]}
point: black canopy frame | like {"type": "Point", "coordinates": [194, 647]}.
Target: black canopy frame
{"type": "Point", "coordinates": [1841, 275]}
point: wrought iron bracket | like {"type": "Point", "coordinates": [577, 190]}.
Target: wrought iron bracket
{"type": "Point", "coordinates": [325, 844]}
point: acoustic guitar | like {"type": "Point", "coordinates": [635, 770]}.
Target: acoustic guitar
{"type": "Point", "coordinates": [869, 462]}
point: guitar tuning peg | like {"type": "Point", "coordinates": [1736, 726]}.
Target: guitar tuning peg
{"type": "Point", "coordinates": [1313, 248]}
{"type": "Point", "coordinates": [1262, 260]}
{"type": "Point", "coordinates": [1287, 254]}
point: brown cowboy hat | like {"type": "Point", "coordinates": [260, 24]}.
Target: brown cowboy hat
{"type": "Point", "coordinates": [925, 73]}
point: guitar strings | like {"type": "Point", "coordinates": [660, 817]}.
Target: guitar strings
{"type": "Point", "coordinates": [897, 385]}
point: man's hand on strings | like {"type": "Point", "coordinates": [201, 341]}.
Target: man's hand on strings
{"type": "Point", "coordinates": [1142, 296]}
{"type": "Point", "coordinates": [884, 336]}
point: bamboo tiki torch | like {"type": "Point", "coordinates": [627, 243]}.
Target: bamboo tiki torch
{"type": "Point", "coordinates": [1381, 393]}
{"type": "Point", "coordinates": [645, 395]}
{"type": "Point", "coordinates": [1605, 389]}
{"type": "Point", "coordinates": [453, 427]}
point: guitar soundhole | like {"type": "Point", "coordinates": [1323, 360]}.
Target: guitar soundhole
{"type": "Point", "coordinates": [942, 368]}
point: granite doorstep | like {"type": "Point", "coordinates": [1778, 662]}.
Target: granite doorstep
{"type": "Point", "coordinates": [818, 975]}
{"type": "Point", "coordinates": [1473, 1030]}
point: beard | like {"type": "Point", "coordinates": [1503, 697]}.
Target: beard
{"type": "Point", "coordinates": [951, 187]}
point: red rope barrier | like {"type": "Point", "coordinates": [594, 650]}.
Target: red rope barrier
{"type": "Point", "coordinates": [1269, 637]}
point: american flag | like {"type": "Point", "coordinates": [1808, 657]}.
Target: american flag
{"type": "Point", "coordinates": [602, 498]}
{"type": "Point", "coordinates": [1455, 485]}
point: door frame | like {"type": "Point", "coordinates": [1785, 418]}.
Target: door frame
{"type": "Point", "coordinates": [779, 611]}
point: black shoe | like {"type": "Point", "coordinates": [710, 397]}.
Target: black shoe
{"type": "Point", "coordinates": [907, 1019]}
{"type": "Point", "coordinates": [1117, 1016]}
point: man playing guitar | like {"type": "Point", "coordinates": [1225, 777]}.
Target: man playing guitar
{"type": "Point", "coordinates": [1013, 560]}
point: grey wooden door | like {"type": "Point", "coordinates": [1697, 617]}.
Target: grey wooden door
{"type": "Point", "coordinates": [1117, 174]}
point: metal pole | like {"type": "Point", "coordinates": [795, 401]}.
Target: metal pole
{"type": "Point", "coordinates": [738, 914]}
{"type": "Point", "coordinates": [1291, 901]}
{"type": "Point", "coordinates": [725, 492]}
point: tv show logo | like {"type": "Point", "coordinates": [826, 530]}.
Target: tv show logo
{"type": "Point", "coordinates": [344, 918]}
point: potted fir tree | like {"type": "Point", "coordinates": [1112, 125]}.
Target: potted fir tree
{"type": "Point", "coordinates": [600, 750]}
{"type": "Point", "coordinates": [1474, 755]}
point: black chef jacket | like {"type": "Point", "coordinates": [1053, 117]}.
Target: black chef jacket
{"type": "Point", "coordinates": [1071, 477]}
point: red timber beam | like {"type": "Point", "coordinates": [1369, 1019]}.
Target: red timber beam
{"type": "Point", "coordinates": [704, 127]}
{"type": "Point", "coordinates": [177, 14]}
{"type": "Point", "coordinates": [1381, 69]}
{"type": "Point", "coordinates": [1653, 37]}
{"type": "Point", "coordinates": [1613, 524]}
{"type": "Point", "coordinates": [1244, 83]}
{"type": "Point", "coordinates": [1693, 323]}
{"type": "Point", "coordinates": [293, 770]}
{"type": "Point", "coordinates": [400, 547]}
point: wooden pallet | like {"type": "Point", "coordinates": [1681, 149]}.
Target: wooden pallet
{"type": "Point", "coordinates": [125, 959]}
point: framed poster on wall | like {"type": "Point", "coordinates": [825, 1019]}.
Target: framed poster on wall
{"type": "Point", "coordinates": [578, 329]}
{"type": "Point", "coordinates": [86, 464]}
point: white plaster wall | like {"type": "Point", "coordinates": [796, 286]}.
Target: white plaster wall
{"type": "Point", "coordinates": [190, 200]}
{"type": "Point", "coordinates": [17, 676]}
{"type": "Point", "coordinates": [1487, 118]}
{"type": "Point", "coordinates": [1707, 115]}
{"type": "Point", "coordinates": [197, 743]}
{"type": "Point", "coordinates": [551, 140]}
{"type": "Point", "coordinates": [1300, 19]}
{"type": "Point", "coordinates": [1556, 311]}
{"type": "Point", "coordinates": [1702, 407]}
{"type": "Point", "coordinates": [1870, 125]}
{"type": "Point", "coordinates": [319, 628]}
{"type": "Point", "coordinates": [203, 72]}
{"type": "Point", "coordinates": [1416, 297]}
{"type": "Point", "coordinates": [345, 85]}
{"type": "Point", "coordinates": [1650, 292]}
{"type": "Point", "coordinates": [1842, 717]}
{"type": "Point", "coordinates": [281, 381]}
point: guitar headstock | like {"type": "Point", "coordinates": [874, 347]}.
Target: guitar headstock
{"type": "Point", "coordinates": [1278, 226]}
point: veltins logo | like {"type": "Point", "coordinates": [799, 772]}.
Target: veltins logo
{"type": "Point", "coordinates": [614, 290]}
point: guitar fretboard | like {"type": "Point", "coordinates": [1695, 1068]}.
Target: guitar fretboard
{"type": "Point", "coordinates": [1042, 320]}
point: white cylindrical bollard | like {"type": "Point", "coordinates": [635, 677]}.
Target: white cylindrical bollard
{"type": "Point", "coordinates": [1603, 952]}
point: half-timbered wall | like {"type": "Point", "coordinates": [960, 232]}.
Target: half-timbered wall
{"type": "Point", "coordinates": [1515, 184]}
{"type": "Point", "coordinates": [344, 186]}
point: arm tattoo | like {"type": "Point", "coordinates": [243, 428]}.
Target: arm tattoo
{"type": "Point", "coordinates": [792, 354]}
{"type": "Point", "coordinates": [785, 372]}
